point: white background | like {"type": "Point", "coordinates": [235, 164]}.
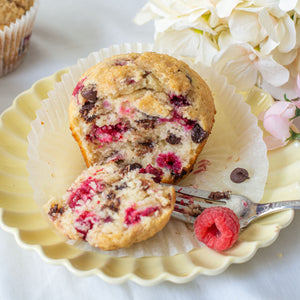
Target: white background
{"type": "Point", "coordinates": [65, 31]}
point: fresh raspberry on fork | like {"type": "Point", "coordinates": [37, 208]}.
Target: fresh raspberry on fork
{"type": "Point", "coordinates": [217, 227]}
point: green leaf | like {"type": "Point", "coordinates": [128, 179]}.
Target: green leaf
{"type": "Point", "coordinates": [294, 136]}
{"type": "Point", "coordinates": [297, 113]}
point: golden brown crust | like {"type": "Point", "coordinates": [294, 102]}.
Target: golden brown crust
{"type": "Point", "coordinates": [75, 130]}
{"type": "Point", "coordinates": [169, 75]}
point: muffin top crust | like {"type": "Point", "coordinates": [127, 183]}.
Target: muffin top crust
{"type": "Point", "coordinates": [11, 10]}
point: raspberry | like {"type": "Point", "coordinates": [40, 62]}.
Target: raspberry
{"type": "Point", "coordinates": [107, 133]}
{"type": "Point", "coordinates": [177, 118]}
{"type": "Point", "coordinates": [85, 192]}
{"type": "Point", "coordinates": [85, 222]}
{"type": "Point", "coordinates": [79, 87]}
{"type": "Point", "coordinates": [121, 62]}
{"type": "Point", "coordinates": [217, 227]}
{"type": "Point", "coordinates": [158, 173]}
{"type": "Point", "coordinates": [133, 215]}
{"type": "Point", "coordinates": [179, 100]}
{"type": "Point", "coordinates": [170, 161]}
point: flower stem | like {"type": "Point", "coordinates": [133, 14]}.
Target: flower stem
{"type": "Point", "coordinates": [297, 114]}
{"type": "Point", "coordinates": [286, 98]}
{"type": "Point", "coordinates": [294, 136]}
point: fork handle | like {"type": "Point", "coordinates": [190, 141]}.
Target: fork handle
{"type": "Point", "coordinates": [267, 208]}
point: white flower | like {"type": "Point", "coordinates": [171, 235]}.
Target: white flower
{"type": "Point", "coordinates": [246, 27]}
{"type": "Point", "coordinates": [243, 65]}
{"type": "Point", "coordinates": [168, 9]}
{"type": "Point", "coordinates": [249, 41]}
{"type": "Point", "coordinates": [188, 43]}
{"type": "Point", "coordinates": [259, 28]}
{"type": "Point", "coordinates": [225, 7]}
{"type": "Point", "coordinates": [288, 5]}
{"type": "Point", "coordinates": [283, 32]}
{"type": "Point", "coordinates": [196, 20]}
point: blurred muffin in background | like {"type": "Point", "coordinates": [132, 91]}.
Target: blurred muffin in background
{"type": "Point", "coordinates": [10, 11]}
{"type": "Point", "coordinates": [16, 22]}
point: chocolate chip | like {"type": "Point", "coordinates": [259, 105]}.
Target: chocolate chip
{"type": "Point", "coordinates": [55, 209]}
{"type": "Point", "coordinates": [147, 143]}
{"type": "Point", "coordinates": [112, 204]}
{"type": "Point", "coordinates": [219, 195]}
{"type": "Point", "coordinates": [145, 184]}
{"type": "Point", "coordinates": [90, 93]}
{"type": "Point", "coordinates": [121, 187]}
{"type": "Point", "coordinates": [148, 122]}
{"type": "Point", "coordinates": [111, 195]}
{"type": "Point", "coordinates": [130, 167]}
{"type": "Point", "coordinates": [61, 210]}
{"type": "Point", "coordinates": [239, 175]}
{"type": "Point", "coordinates": [144, 147]}
{"type": "Point", "coordinates": [90, 119]}
{"type": "Point", "coordinates": [86, 107]}
{"type": "Point", "coordinates": [134, 166]}
{"type": "Point", "coordinates": [85, 110]}
{"type": "Point", "coordinates": [117, 204]}
{"type": "Point", "coordinates": [180, 175]}
{"type": "Point", "coordinates": [198, 135]}
{"type": "Point", "coordinates": [173, 139]}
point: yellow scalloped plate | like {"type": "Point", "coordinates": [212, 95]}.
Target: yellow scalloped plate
{"type": "Point", "coordinates": [20, 215]}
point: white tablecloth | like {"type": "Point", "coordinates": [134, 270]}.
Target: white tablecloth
{"type": "Point", "coordinates": [65, 31]}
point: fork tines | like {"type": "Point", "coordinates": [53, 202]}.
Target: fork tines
{"type": "Point", "coordinates": [190, 202]}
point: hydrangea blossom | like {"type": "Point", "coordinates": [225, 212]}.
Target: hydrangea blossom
{"type": "Point", "coordinates": [252, 42]}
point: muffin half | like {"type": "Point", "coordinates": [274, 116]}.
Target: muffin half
{"type": "Point", "coordinates": [147, 109]}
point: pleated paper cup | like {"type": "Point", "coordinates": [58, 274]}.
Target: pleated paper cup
{"type": "Point", "coordinates": [14, 40]}
{"type": "Point", "coordinates": [236, 141]}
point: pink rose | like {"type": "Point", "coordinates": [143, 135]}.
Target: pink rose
{"type": "Point", "coordinates": [277, 121]}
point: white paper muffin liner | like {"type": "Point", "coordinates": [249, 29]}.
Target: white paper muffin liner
{"type": "Point", "coordinates": [236, 141]}
{"type": "Point", "coordinates": [14, 40]}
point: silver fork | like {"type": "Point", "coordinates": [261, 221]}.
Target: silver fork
{"type": "Point", "coordinates": [190, 202]}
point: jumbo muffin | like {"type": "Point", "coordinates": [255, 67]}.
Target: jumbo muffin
{"type": "Point", "coordinates": [111, 207]}
{"type": "Point", "coordinates": [16, 22]}
{"type": "Point", "coordinates": [146, 109]}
